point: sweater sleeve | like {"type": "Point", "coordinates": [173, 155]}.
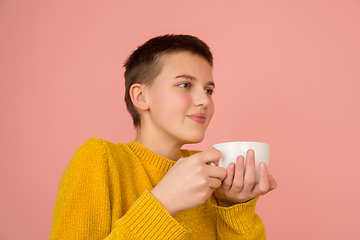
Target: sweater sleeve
{"type": "Point", "coordinates": [83, 208]}
{"type": "Point", "coordinates": [239, 221]}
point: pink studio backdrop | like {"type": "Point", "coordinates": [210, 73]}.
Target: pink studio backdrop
{"type": "Point", "coordinates": [286, 72]}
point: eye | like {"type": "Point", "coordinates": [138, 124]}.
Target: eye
{"type": "Point", "coordinates": [209, 91]}
{"type": "Point", "coordinates": [185, 85]}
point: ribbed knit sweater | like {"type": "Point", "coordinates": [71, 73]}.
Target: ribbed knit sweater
{"type": "Point", "coordinates": [105, 194]}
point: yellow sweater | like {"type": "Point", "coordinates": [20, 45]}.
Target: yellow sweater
{"type": "Point", "coordinates": [104, 194]}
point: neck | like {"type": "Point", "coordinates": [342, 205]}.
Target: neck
{"type": "Point", "coordinates": [159, 145]}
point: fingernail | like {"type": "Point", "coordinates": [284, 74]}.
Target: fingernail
{"type": "Point", "coordinates": [263, 166]}
{"type": "Point", "coordinates": [251, 153]}
{"type": "Point", "coordinates": [231, 166]}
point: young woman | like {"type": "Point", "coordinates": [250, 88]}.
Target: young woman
{"type": "Point", "coordinates": [150, 188]}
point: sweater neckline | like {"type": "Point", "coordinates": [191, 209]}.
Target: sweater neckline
{"type": "Point", "coordinates": [151, 158]}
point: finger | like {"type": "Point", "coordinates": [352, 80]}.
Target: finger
{"type": "Point", "coordinates": [273, 183]}
{"type": "Point", "coordinates": [227, 182]}
{"type": "Point", "coordinates": [210, 155]}
{"type": "Point", "coordinates": [238, 181]}
{"type": "Point", "coordinates": [214, 183]}
{"type": "Point", "coordinates": [263, 186]}
{"type": "Point", "coordinates": [216, 172]}
{"type": "Point", "coordinates": [249, 179]}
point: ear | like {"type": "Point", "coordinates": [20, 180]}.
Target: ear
{"type": "Point", "coordinates": [137, 96]}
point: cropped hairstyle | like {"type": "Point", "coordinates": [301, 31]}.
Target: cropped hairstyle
{"type": "Point", "coordinates": [144, 64]}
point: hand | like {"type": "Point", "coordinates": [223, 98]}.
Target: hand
{"type": "Point", "coordinates": [237, 188]}
{"type": "Point", "coordinates": [189, 182]}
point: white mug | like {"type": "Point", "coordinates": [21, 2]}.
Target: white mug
{"type": "Point", "coordinates": [231, 150]}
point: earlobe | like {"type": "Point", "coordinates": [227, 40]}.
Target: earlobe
{"type": "Point", "coordinates": [138, 97]}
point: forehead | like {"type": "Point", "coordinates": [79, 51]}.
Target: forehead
{"type": "Point", "coordinates": [185, 62]}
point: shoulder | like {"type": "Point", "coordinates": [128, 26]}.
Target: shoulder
{"type": "Point", "coordinates": [92, 147]}
{"type": "Point", "coordinates": [101, 146]}
{"type": "Point", "coordinates": [97, 155]}
{"type": "Point", "coordinates": [97, 150]}
{"type": "Point", "coordinates": [95, 143]}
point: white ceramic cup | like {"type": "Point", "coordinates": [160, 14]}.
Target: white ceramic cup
{"type": "Point", "coordinates": [231, 150]}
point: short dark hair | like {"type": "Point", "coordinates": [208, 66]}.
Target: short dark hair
{"type": "Point", "coordinates": [143, 64]}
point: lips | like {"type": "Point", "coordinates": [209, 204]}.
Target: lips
{"type": "Point", "coordinates": [198, 117]}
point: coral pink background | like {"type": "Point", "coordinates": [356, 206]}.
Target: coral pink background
{"type": "Point", "coordinates": [287, 73]}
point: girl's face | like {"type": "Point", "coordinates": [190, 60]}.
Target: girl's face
{"type": "Point", "coordinates": [179, 99]}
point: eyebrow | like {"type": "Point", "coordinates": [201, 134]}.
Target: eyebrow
{"type": "Point", "coordinates": [211, 83]}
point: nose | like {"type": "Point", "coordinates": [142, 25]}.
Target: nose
{"type": "Point", "coordinates": [201, 98]}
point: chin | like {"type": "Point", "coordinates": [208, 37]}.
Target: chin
{"type": "Point", "coordinates": [194, 139]}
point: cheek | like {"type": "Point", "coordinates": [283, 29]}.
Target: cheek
{"type": "Point", "coordinates": [171, 103]}
{"type": "Point", "coordinates": [211, 108]}
{"type": "Point", "coordinates": [183, 100]}
{"type": "Point", "coordinates": [177, 100]}
{"type": "Point", "coordinates": [210, 112]}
